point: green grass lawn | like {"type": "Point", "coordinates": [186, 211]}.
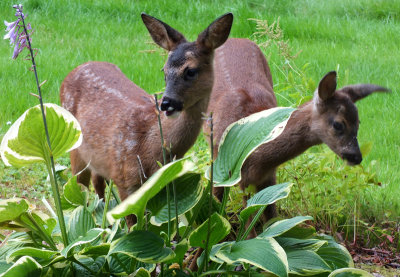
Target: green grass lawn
{"type": "Point", "coordinates": [358, 38]}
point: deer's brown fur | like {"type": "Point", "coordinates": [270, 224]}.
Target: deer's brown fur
{"type": "Point", "coordinates": [119, 119]}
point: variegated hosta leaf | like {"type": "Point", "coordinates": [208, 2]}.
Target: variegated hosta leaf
{"type": "Point", "coordinates": [12, 208]}
{"type": "Point", "coordinates": [334, 254]}
{"type": "Point", "coordinates": [220, 228]}
{"type": "Point", "coordinates": [282, 226]}
{"type": "Point", "coordinates": [350, 272]}
{"type": "Point", "coordinates": [144, 246]}
{"type": "Point", "coordinates": [25, 266]}
{"type": "Point", "coordinates": [188, 192]}
{"type": "Point", "coordinates": [264, 253]}
{"type": "Point", "coordinates": [136, 202]}
{"type": "Point", "coordinates": [306, 262]}
{"type": "Point", "coordinates": [265, 197]}
{"type": "Point", "coordinates": [242, 138]}
{"type": "Point", "coordinates": [26, 143]}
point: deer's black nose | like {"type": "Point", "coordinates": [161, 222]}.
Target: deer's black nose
{"type": "Point", "coordinates": [170, 105]}
{"type": "Point", "coordinates": [352, 158]}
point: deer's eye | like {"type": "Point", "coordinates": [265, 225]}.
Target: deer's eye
{"type": "Point", "coordinates": [190, 73]}
{"type": "Point", "coordinates": [338, 126]}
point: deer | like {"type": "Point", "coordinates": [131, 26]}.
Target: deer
{"type": "Point", "coordinates": [121, 136]}
{"type": "Point", "coordinates": [243, 82]}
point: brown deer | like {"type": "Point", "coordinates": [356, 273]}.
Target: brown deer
{"type": "Point", "coordinates": [119, 120]}
{"type": "Point", "coordinates": [243, 83]}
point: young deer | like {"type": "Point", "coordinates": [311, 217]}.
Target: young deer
{"type": "Point", "coordinates": [243, 83]}
{"type": "Point", "coordinates": [119, 120]}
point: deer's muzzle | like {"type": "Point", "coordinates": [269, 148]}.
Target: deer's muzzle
{"type": "Point", "coordinates": [170, 106]}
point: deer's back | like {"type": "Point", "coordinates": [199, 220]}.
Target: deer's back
{"type": "Point", "coordinates": [113, 112]}
{"type": "Point", "coordinates": [242, 86]}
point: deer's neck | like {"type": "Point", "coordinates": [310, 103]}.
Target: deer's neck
{"type": "Point", "coordinates": [182, 132]}
{"type": "Point", "coordinates": [295, 139]}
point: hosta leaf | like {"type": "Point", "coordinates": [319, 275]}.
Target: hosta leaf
{"type": "Point", "coordinates": [80, 222]}
{"type": "Point", "coordinates": [11, 209]}
{"type": "Point", "coordinates": [300, 244]}
{"type": "Point", "coordinates": [264, 253]}
{"type": "Point", "coordinates": [334, 254]}
{"type": "Point", "coordinates": [180, 250]}
{"type": "Point", "coordinates": [97, 250]}
{"type": "Point", "coordinates": [43, 254]}
{"type": "Point", "coordinates": [91, 236]}
{"type": "Point", "coordinates": [242, 138]}
{"type": "Point", "coordinates": [220, 228]}
{"type": "Point", "coordinates": [136, 202]}
{"type": "Point", "coordinates": [73, 193]}
{"type": "Point", "coordinates": [282, 226]}
{"type": "Point", "coordinates": [25, 266]}
{"type": "Point", "coordinates": [94, 264]}
{"type": "Point", "coordinates": [141, 272]}
{"type": "Point", "coordinates": [350, 272]}
{"type": "Point", "coordinates": [188, 192]}
{"type": "Point", "coordinates": [4, 266]}
{"type": "Point", "coordinates": [306, 262]}
{"type": "Point", "coordinates": [26, 143]}
{"type": "Point", "coordinates": [144, 246]}
{"type": "Point", "coordinates": [265, 197]}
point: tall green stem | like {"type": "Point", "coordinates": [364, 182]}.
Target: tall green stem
{"type": "Point", "coordinates": [165, 162]}
{"type": "Point", "coordinates": [108, 197]}
{"type": "Point", "coordinates": [50, 161]}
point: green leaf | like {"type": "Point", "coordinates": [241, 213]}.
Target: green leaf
{"type": "Point", "coordinates": [4, 266]}
{"type": "Point", "coordinates": [350, 272]}
{"type": "Point", "coordinates": [25, 142]}
{"type": "Point", "coordinates": [220, 228]}
{"type": "Point", "coordinates": [94, 264]}
{"type": "Point", "coordinates": [136, 202]}
{"type": "Point", "coordinates": [11, 209]}
{"type": "Point", "coordinates": [43, 254]}
{"type": "Point", "coordinates": [91, 236]}
{"type": "Point", "coordinates": [180, 251]}
{"type": "Point", "coordinates": [97, 250]}
{"type": "Point", "coordinates": [264, 253]}
{"type": "Point", "coordinates": [265, 197]}
{"type": "Point", "coordinates": [73, 193]}
{"type": "Point", "coordinates": [188, 192]}
{"type": "Point", "coordinates": [144, 246]}
{"type": "Point", "coordinates": [242, 138]}
{"type": "Point", "coordinates": [306, 262]}
{"type": "Point", "coordinates": [334, 254]}
{"type": "Point", "coordinates": [141, 272]}
{"type": "Point", "coordinates": [282, 226]}
{"type": "Point", "coordinates": [120, 263]}
{"type": "Point", "coordinates": [80, 222]}
{"type": "Point", "coordinates": [25, 266]}
{"type": "Point", "coordinates": [300, 244]}
{"type": "Point", "coordinates": [300, 232]}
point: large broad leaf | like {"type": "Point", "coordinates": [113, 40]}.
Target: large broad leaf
{"type": "Point", "coordinates": [300, 244]}
{"type": "Point", "coordinates": [136, 202]}
{"type": "Point", "coordinates": [306, 262]}
{"type": "Point", "coordinates": [144, 246]}
{"type": "Point", "coordinates": [73, 193]}
{"type": "Point", "coordinates": [334, 254]}
{"type": "Point", "coordinates": [42, 254]}
{"type": "Point", "coordinates": [11, 209]}
{"type": "Point", "coordinates": [242, 138]}
{"type": "Point", "coordinates": [94, 264]}
{"type": "Point", "coordinates": [220, 228]}
{"type": "Point", "coordinates": [80, 222]}
{"type": "Point", "coordinates": [90, 237]}
{"type": "Point", "coordinates": [264, 253]}
{"type": "Point", "coordinates": [188, 192]}
{"type": "Point", "coordinates": [350, 272]}
{"type": "Point", "coordinates": [25, 266]}
{"type": "Point", "coordinates": [282, 226]}
{"type": "Point", "coordinates": [141, 272]}
{"type": "Point", "coordinates": [265, 197]}
{"type": "Point", "coordinates": [26, 143]}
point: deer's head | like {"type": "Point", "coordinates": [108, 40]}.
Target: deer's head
{"type": "Point", "coordinates": [335, 116]}
{"type": "Point", "coordinates": [189, 68]}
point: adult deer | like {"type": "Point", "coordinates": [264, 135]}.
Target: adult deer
{"type": "Point", "coordinates": [243, 83]}
{"type": "Point", "coordinates": [119, 120]}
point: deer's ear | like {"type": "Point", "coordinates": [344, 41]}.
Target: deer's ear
{"type": "Point", "coordinates": [217, 33]}
{"type": "Point", "coordinates": [359, 91]}
{"type": "Point", "coordinates": [327, 86]}
{"type": "Point", "coordinates": [163, 34]}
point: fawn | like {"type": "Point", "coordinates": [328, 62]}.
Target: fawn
{"type": "Point", "coordinates": [119, 119]}
{"type": "Point", "coordinates": [243, 83]}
